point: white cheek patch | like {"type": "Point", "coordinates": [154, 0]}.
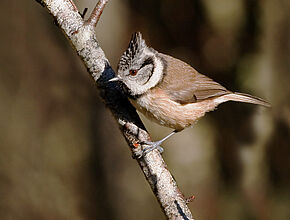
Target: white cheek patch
{"type": "Point", "coordinates": [154, 79]}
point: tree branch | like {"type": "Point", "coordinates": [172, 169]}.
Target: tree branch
{"type": "Point", "coordinates": [96, 13]}
{"type": "Point", "coordinates": [83, 38]}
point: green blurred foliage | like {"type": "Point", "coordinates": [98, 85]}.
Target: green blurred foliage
{"type": "Point", "coordinates": [62, 155]}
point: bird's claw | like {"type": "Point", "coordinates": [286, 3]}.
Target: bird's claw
{"type": "Point", "coordinates": [152, 146]}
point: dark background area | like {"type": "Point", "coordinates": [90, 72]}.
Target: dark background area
{"type": "Point", "coordinates": [62, 155]}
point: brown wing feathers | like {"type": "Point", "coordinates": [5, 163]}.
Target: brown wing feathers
{"type": "Point", "coordinates": [190, 86]}
{"type": "Point", "coordinates": [207, 88]}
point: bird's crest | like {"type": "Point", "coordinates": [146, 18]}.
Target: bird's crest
{"type": "Point", "coordinates": [136, 46]}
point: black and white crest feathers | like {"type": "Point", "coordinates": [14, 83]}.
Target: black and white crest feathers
{"type": "Point", "coordinates": [136, 46]}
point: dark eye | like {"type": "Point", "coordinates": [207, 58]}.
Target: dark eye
{"type": "Point", "coordinates": [133, 72]}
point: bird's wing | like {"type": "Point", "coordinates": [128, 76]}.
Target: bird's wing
{"type": "Point", "coordinates": [184, 84]}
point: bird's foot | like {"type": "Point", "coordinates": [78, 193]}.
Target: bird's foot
{"type": "Point", "coordinates": [152, 146]}
{"type": "Point", "coordinates": [156, 144]}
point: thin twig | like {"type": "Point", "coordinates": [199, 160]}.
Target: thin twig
{"type": "Point", "coordinates": [84, 12]}
{"type": "Point", "coordinates": [83, 38]}
{"type": "Point", "coordinates": [96, 13]}
{"type": "Point", "coordinates": [73, 5]}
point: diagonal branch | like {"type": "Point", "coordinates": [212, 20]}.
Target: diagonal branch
{"type": "Point", "coordinates": [82, 36]}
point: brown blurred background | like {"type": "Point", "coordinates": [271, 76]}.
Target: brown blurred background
{"type": "Point", "coordinates": [62, 155]}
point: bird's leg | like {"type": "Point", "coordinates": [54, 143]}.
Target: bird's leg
{"type": "Point", "coordinates": [156, 144]}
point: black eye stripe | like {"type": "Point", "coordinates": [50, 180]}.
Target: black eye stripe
{"type": "Point", "coordinates": [148, 61]}
{"type": "Point", "coordinates": [151, 73]}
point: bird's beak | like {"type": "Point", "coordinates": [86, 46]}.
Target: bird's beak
{"type": "Point", "coordinates": [116, 78]}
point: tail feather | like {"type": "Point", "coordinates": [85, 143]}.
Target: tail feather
{"type": "Point", "coordinates": [242, 97]}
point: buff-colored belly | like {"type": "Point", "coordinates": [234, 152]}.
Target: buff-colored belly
{"type": "Point", "coordinates": [166, 112]}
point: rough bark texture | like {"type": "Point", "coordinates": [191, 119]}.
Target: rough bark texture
{"type": "Point", "coordinates": [83, 38]}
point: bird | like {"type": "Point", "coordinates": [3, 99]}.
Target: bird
{"type": "Point", "coordinates": [169, 91]}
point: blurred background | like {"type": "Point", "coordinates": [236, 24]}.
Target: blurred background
{"type": "Point", "coordinates": [62, 155]}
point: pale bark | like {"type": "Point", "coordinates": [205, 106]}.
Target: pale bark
{"type": "Point", "coordinates": [82, 36]}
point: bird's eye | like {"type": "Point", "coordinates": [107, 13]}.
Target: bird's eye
{"type": "Point", "coordinates": [133, 72]}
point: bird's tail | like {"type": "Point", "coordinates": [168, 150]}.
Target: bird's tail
{"type": "Point", "coordinates": [242, 97]}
